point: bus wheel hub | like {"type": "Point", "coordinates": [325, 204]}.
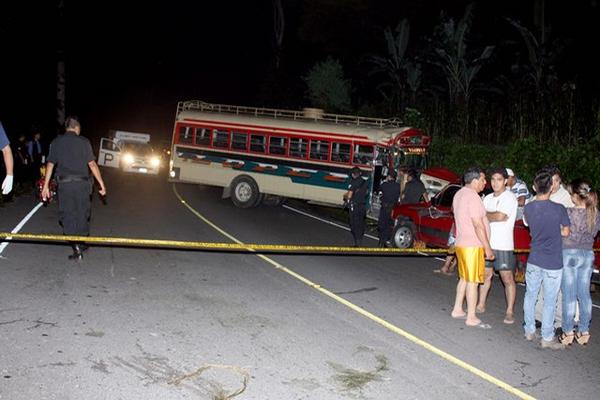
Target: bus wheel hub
{"type": "Point", "coordinates": [243, 191]}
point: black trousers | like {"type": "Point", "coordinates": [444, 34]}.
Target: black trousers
{"type": "Point", "coordinates": [357, 223]}
{"type": "Point", "coordinates": [75, 207]}
{"type": "Point", "coordinates": [385, 222]}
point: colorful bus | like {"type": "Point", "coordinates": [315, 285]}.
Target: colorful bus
{"type": "Point", "coordinates": [266, 155]}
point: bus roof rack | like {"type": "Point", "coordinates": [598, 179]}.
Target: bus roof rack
{"type": "Point", "coordinates": [311, 114]}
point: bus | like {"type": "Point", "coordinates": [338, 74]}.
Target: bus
{"type": "Point", "coordinates": [261, 155]}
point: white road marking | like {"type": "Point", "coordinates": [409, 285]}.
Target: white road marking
{"type": "Point", "coordinates": [20, 225]}
{"type": "Point", "coordinates": [325, 221]}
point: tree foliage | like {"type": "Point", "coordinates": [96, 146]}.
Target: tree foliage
{"type": "Point", "coordinates": [327, 87]}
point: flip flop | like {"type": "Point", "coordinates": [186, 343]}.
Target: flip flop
{"type": "Point", "coordinates": [480, 325]}
{"type": "Point", "coordinates": [509, 319]}
{"type": "Point", "coordinates": [459, 317]}
{"type": "Point", "coordinates": [439, 271]}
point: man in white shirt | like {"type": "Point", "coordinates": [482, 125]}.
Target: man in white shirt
{"type": "Point", "coordinates": [501, 208]}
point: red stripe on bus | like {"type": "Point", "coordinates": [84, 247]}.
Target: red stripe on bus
{"type": "Point", "coordinates": [278, 130]}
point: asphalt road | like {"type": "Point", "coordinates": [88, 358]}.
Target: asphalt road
{"type": "Point", "coordinates": [165, 324]}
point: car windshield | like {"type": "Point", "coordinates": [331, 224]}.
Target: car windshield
{"type": "Point", "coordinates": [445, 197]}
{"type": "Point", "coordinates": [139, 149]}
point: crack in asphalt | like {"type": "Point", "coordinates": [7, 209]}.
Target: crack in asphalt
{"type": "Point", "coordinates": [11, 322]}
{"type": "Point", "coordinates": [369, 289]}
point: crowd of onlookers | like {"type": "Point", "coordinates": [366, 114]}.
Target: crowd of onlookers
{"type": "Point", "coordinates": [27, 155]}
{"type": "Point", "coordinates": [563, 221]}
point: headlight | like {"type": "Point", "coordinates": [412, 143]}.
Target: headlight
{"type": "Point", "coordinates": [128, 158]}
{"type": "Point", "coordinates": [155, 161]}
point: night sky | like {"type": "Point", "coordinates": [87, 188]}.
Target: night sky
{"type": "Point", "coordinates": [128, 63]}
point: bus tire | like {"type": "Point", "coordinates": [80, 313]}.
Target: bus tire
{"type": "Point", "coordinates": [272, 200]}
{"type": "Point", "coordinates": [404, 235]}
{"type": "Point", "coordinates": [244, 192]}
{"type": "Point", "coordinates": [259, 199]}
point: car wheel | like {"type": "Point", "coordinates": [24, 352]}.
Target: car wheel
{"type": "Point", "coordinates": [404, 236]}
{"type": "Point", "coordinates": [244, 192]}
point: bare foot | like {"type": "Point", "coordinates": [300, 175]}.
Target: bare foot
{"type": "Point", "coordinates": [459, 315]}
{"type": "Point", "coordinates": [472, 321]}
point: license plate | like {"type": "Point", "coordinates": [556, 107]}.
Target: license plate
{"type": "Point", "coordinates": [144, 170]}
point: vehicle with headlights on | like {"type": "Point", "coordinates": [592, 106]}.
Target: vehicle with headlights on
{"type": "Point", "coordinates": [130, 152]}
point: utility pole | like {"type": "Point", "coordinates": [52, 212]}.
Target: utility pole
{"type": "Point", "coordinates": [60, 69]}
{"type": "Point", "coordinates": [539, 19]}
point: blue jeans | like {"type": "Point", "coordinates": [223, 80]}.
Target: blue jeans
{"type": "Point", "coordinates": [577, 273]}
{"type": "Point", "coordinates": [535, 277]}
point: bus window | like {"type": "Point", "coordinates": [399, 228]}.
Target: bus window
{"type": "Point", "coordinates": [257, 143]}
{"type": "Point", "coordinates": [239, 141]}
{"type": "Point", "coordinates": [220, 139]}
{"type": "Point", "coordinates": [340, 152]}
{"type": "Point", "coordinates": [319, 150]}
{"type": "Point", "coordinates": [186, 134]}
{"type": "Point", "coordinates": [298, 147]}
{"type": "Point", "coordinates": [363, 154]}
{"type": "Point", "coordinates": [277, 145]}
{"type": "Point", "coordinates": [203, 136]}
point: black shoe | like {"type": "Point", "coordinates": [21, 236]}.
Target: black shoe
{"type": "Point", "coordinates": [83, 247]}
{"type": "Point", "coordinates": [77, 254]}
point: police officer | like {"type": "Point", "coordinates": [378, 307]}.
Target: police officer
{"type": "Point", "coordinates": [390, 193]}
{"type": "Point", "coordinates": [7, 183]}
{"type": "Point", "coordinates": [356, 196]}
{"type": "Point", "coordinates": [73, 157]}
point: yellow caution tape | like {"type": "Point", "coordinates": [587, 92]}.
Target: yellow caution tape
{"type": "Point", "coordinates": [246, 247]}
{"type": "Point", "coordinates": [181, 244]}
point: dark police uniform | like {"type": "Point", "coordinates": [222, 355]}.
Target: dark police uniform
{"type": "Point", "coordinates": [413, 191]}
{"type": "Point", "coordinates": [358, 208]}
{"type": "Point", "coordinates": [390, 193]}
{"type": "Point", "coordinates": [71, 154]}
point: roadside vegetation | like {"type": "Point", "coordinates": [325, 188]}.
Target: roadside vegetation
{"type": "Point", "coordinates": [508, 95]}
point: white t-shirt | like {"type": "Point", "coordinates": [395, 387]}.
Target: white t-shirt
{"type": "Point", "coordinates": [502, 232]}
{"type": "Point", "coordinates": [562, 196]}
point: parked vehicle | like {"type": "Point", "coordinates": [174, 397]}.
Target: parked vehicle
{"type": "Point", "coordinates": [260, 154]}
{"type": "Point", "coordinates": [130, 152]}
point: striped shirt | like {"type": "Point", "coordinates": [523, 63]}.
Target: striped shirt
{"type": "Point", "coordinates": [520, 189]}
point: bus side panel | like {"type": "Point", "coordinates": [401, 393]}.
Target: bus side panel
{"type": "Point", "coordinates": [214, 173]}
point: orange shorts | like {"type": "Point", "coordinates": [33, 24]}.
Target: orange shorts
{"type": "Point", "coordinates": [471, 263]}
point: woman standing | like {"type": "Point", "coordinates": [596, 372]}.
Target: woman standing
{"type": "Point", "coordinates": [578, 259]}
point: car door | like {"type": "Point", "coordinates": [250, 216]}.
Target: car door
{"type": "Point", "coordinates": [437, 219]}
{"type": "Point", "coordinates": [109, 154]}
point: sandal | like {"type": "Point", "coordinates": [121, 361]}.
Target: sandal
{"type": "Point", "coordinates": [566, 338]}
{"type": "Point", "coordinates": [582, 338]}
{"type": "Point", "coordinates": [509, 319]}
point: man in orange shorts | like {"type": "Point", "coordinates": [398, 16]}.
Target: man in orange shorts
{"type": "Point", "coordinates": [472, 244]}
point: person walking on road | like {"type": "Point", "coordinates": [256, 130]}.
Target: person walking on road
{"type": "Point", "coordinates": [356, 196]}
{"type": "Point", "coordinates": [548, 224]}
{"type": "Point", "coordinates": [501, 207]}
{"type": "Point", "coordinates": [390, 193]}
{"type": "Point", "coordinates": [472, 244]}
{"type": "Point", "coordinates": [578, 259]}
{"type": "Point", "coordinates": [7, 183]}
{"type": "Point", "coordinates": [73, 157]}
